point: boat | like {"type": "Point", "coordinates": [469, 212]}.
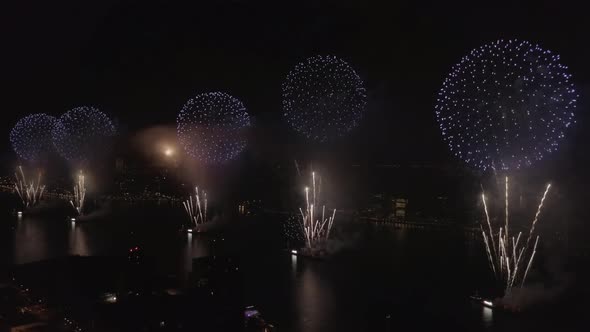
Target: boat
{"type": "Point", "coordinates": [254, 322]}
{"type": "Point", "coordinates": [482, 301]}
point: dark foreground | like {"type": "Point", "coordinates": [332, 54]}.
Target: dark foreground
{"type": "Point", "coordinates": [378, 278]}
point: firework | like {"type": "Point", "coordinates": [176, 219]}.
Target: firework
{"type": "Point", "coordinates": [315, 222]}
{"type": "Point", "coordinates": [81, 133]}
{"type": "Point", "coordinates": [31, 192]}
{"type": "Point", "coordinates": [323, 98]}
{"type": "Point", "coordinates": [506, 105]}
{"type": "Point", "coordinates": [212, 127]}
{"type": "Point", "coordinates": [79, 195]}
{"type": "Point", "coordinates": [293, 231]}
{"type": "Point", "coordinates": [196, 207]}
{"type": "Point", "coordinates": [31, 136]}
{"type": "Point", "coordinates": [506, 256]}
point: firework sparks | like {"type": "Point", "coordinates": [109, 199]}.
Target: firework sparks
{"type": "Point", "coordinates": [212, 127]}
{"type": "Point", "coordinates": [315, 229]}
{"type": "Point", "coordinates": [196, 207]}
{"type": "Point", "coordinates": [31, 192]}
{"type": "Point", "coordinates": [323, 98]}
{"type": "Point", "coordinates": [537, 214]}
{"type": "Point", "coordinates": [506, 255]}
{"type": "Point", "coordinates": [79, 195]}
{"type": "Point", "coordinates": [293, 231]}
{"type": "Point", "coordinates": [506, 105]}
{"type": "Point", "coordinates": [31, 136]}
{"type": "Point", "coordinates": [82, 133]}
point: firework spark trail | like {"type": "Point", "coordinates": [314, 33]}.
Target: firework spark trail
{"type": "Point", "coordinates": [79, 196]}
{"type": "Point", "coordinates": [515, 245]}
{"type": "Point", "coordinates": [188, 207]}
{"type": "Point", "coordinates": [537, 215]}
{"type": "Point", "coordinates": [485, 207]}
{"type": "Point", "coordinates": [196, 208]}
{"type": "Point", "coordinates": [313, 184]}
{"type": "Point", "coordinates": [331, 221]}
{"type": "Point", "coordinates": [487, 244]}
{"type": "Point", "coordinates": [205, 202]}
{"type": "Point", "coordinates": [198, 199]}
{"type": "Point", "coordinates": [307, 198]}
{"type": "Point", "coordinates": [501, 250]}
{"type": "Point", "coordinates": [297, 167]}
{"type": "Point", "coordinates": [517, 264]}
{"type": "Point", "coordinates": [509, 251]}
{"type": "Point", "coordinates": [508, 275]}
{"type": "Point", "coordinates": [530, 261]}
{"type": "Point", "coordinates": [29, 193]}
{"type": "Point", "coordinates": [21, 187]}
{"type": "Point", "coordinates": [316, 230]}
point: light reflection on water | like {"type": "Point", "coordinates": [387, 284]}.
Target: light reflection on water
{"type": "Point", "coordinates": [78, 241]}
{"type": "Point", "coordinates": [30, 242]}
{"type": "Point", "coordinates": [196, 246]}
{"type": "Point", "coordinates": [36, 239]}
{"type": "Point", "coordinates": [487, 316]}
{"type": "Point", "coordinates": [314, 299]}
{"type": "Point", "coordinates": [294, 263]}
{"type": "Point", "coordinates": [316, 292]}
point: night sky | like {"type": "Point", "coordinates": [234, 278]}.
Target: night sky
{"type": "Point", "coordinates": [139, 62]}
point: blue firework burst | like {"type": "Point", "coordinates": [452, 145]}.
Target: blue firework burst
{"type": "Point", "coordinates": [212, 126]}
{"type": "Point", "coordinates": [323, 98]}
{"type": "Point", "coordinates": [31, 136]}
{"type": "Point", "coordinates": [506, 105]}
{"type": "Point", "coordinates": [82, 133]}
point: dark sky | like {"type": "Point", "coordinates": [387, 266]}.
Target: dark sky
{"type": "Point", "coordinates": [139, 61]}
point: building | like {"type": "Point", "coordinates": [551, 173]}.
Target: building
{"type": "Point", "coordinates": [399, 208]}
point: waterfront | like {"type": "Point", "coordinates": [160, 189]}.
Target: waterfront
{"type": "Point", "coordinates": [379, 278]}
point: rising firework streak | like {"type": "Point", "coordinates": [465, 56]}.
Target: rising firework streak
{"type": "Point", "coordinates": [506, 256]}
{"type": "Point", "coordinates": [79, 196]}
{"type": "Point", "coordinates": [30, 193]}
{"type": "Point", "coordinates": [196, 207]}
{"type": "Point", "coordinates": [316, 225]}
